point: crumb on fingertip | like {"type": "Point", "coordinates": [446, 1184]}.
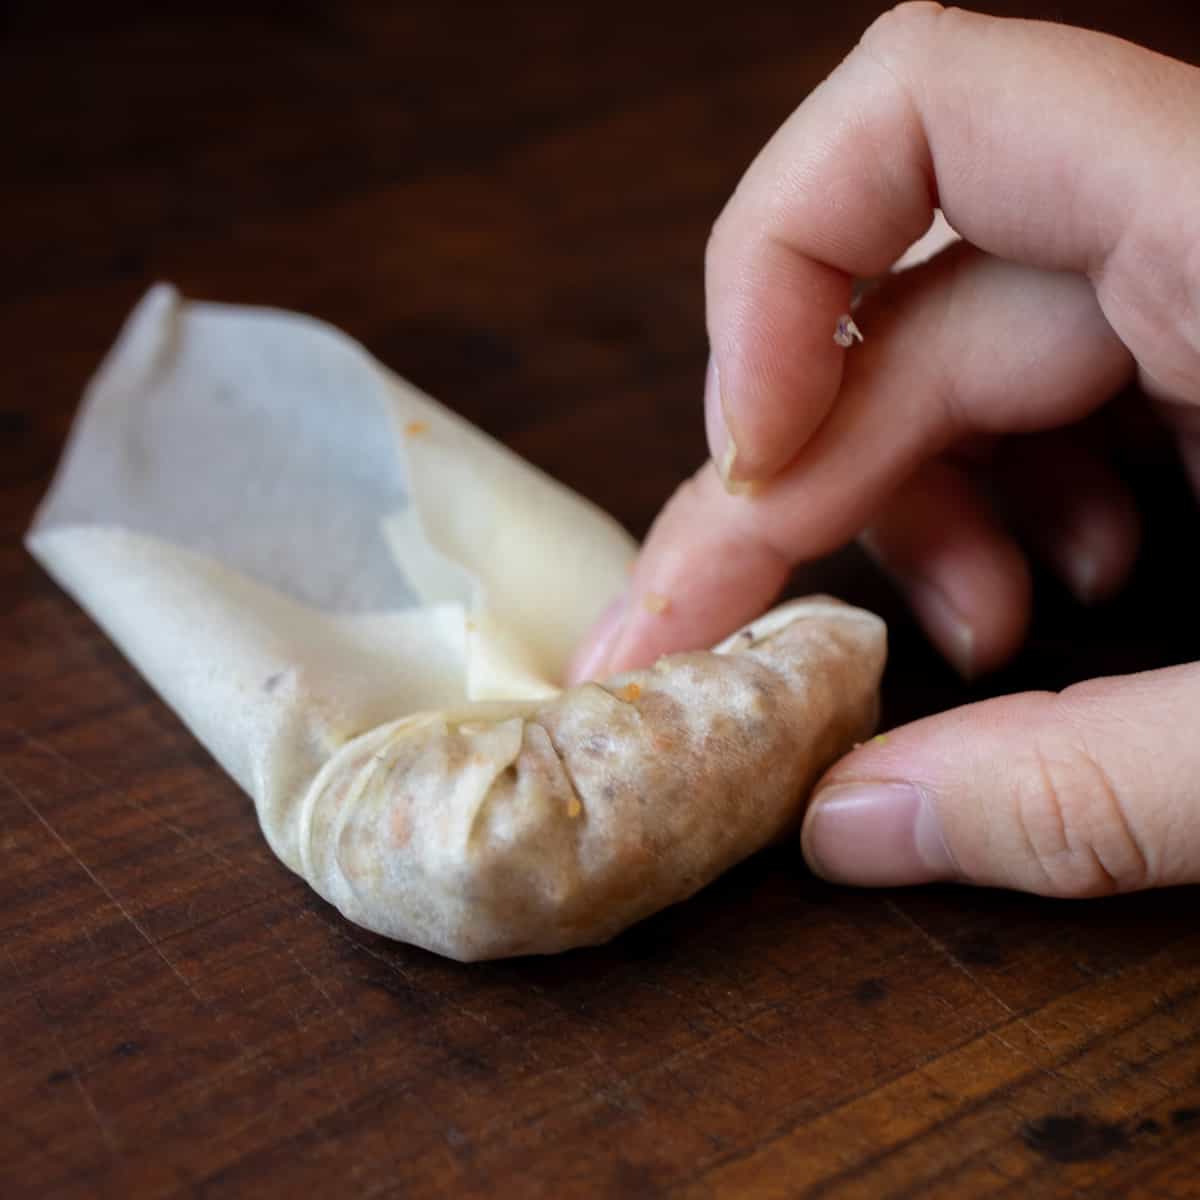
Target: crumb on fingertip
{"type": "Point", "coordinates": [847, 333]}
{"type": "Point", "coordinates": [656, 603]}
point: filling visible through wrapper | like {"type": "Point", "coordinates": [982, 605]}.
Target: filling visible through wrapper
{"type": "Point", "coordinates": [362, 605]}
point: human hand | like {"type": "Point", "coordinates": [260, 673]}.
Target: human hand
{"type": "Point", "coordinates": [1070, 163]}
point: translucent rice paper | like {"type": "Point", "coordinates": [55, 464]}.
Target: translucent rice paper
{"type": "Point", "coordinates": [294, 545]}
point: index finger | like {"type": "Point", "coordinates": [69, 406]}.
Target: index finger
{"type": "Point", "coordinates": [1043, 144]}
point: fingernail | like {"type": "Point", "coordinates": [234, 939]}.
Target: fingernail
{"type": "Point", "coordinates": [960, 646]}
{"type": "Point", "coordinates": [940, 616]}
{"type": "Point", "coordinates": [876, 835]}
{"type": "Point", "coordinates": [1082, 569]}
{"type": "Point", "coordinates": [953, 634]}
{"type": "Point", "coordinates": [598, 646]}
{"type": "Point", "coordinates": [720, 444]}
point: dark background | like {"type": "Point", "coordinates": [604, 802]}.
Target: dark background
{"type": "Point", "coordinates": [508, 205]}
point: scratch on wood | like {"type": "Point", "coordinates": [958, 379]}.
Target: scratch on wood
{"type": "Point", "coordinates": [238, 871]}
{"type": "Point", "coordinates": [741, 1025]}
{"type": "Point", "coordinates": [860, 1168]}
{"type": "Point", "coordinates": [948, 954]}
{"type": "Point", "coordinates": [110, 1141]}
{"type": "Point", "coordinates": [283, 942]}
{"type": "Point", "coordinates": [937, 944]}
{"type": "Point", "coordinates": [589, 1095]}
{"type": "Point", "coordinates": [153, 817]}
{"type": "Point", "coordinates": [1050, 1168]}
{"type": "Point", "coordinates": [112, 898]}
{"type": "Point", "coordinates": [396, 969]}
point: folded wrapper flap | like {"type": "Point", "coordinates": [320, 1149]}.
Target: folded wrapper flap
{"type": "Point", "coordinates": [293, 545]}
{"type": "Point", "coordinates": [325, 573]}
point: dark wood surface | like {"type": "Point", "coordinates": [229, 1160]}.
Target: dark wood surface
{"type": "Point", "coordinates": [509, 206]}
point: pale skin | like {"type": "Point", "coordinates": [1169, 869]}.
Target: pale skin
{"type": "Point", "coordinates": [1070, 164]}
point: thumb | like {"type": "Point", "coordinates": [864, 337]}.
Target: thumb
{"type": "Point", "coordinates": [1088, 792]}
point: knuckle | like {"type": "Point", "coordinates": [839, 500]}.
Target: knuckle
{"type": "Point", "coordinates": [898, 26]}
{"type": "Point", "coordinates": [901, 45]}
{"type": "Point", "coordinates": [1074, 825]}
{"type": "Point", "coordinates": [1153, 275]}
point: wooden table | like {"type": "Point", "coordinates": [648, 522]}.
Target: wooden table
{"type": "Point", "coordinates": [510, 209]}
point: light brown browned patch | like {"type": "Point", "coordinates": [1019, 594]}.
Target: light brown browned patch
{"type": "Point", "coordinates": [400, 825]}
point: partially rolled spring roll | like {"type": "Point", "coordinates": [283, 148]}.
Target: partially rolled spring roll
{"type": "Point", "coordinates": [363, 606]}
{"type": "Point", "coordinates": [531, 828]}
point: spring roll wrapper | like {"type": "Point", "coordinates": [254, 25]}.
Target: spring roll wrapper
{"type": "Point", "coordinates": [362, 606]}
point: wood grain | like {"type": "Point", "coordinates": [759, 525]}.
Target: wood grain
{"type": "Point", "coordinates": [509, 206]}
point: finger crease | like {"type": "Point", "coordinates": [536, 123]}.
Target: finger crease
{"type": "Point", "coordinates": [1035, 846]}
{"type": "Point", "coordinates": [927, 168]}
{"type": "Point", "coordinates": [1140, 874]}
